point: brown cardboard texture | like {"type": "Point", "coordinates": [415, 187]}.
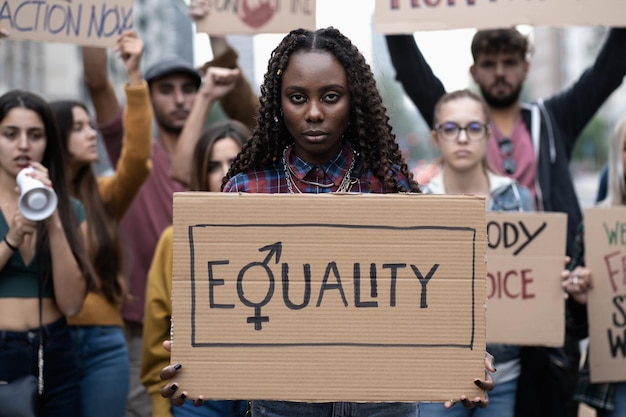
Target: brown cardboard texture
{"type": "Point", "coordinates": [229, 18]}
{"type": "Point", "coordinates": [84, 22]}
{"type": "Point", "coordinates": [334, 297]}
{"type": "Point", "coordinates": [524, 262]}
{"type": "Point", "coordinates": [415, 16]}
{"type": "Point", "coordinates": [605, 256]}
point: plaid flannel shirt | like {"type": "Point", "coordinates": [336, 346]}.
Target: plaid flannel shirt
{"type": "Point", "coordinates": [273, 179]}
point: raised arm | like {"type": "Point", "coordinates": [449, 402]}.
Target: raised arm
{"type": "Point", "coordinates": [241, 103]}
{"type": "Point", "coordinates": [415, 75]}
{"type": "Point", "coordinates": [101, 91]}
{"type": "Point", "coordinates": [102, 94]}
{"type": "Point", "coordinates": [574, 107]}
{"type": "Point", "coordinates": [217, 83]}
{"type": "Point", "coordinates": [134, 164]}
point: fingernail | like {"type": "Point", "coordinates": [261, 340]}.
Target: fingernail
{"type": "Point", "coordinates": [174, 387]}
{"type": "Point", "coordinates": [478, 383]}
{"type": "Point", "coordinates": [178, 366]}
{"type": "Point", "coordinates": [183, 396]}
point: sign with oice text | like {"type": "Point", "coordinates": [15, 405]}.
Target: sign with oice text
{"type": "Point", "coordinates": [333, 297]}
{"type": "Point", "coordinates": [525, 257]}
{"type": "Point", "coordinates": [407, 16]}
{"type": "Point", "coordinates": [84, 22]}
{"type": "Point", "coordinates": [257, 16]}
{"type": "Point", "coordinates": [605, 256]}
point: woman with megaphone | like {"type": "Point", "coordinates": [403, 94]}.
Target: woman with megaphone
{"type": "Point", "coordinates": [44, 270]}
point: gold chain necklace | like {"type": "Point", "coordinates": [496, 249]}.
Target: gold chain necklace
{"type": "Point", "coordinates": [344, 186]}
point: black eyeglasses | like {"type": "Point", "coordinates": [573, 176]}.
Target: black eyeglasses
{"type": "Point", "coordinates": [450, 131]}
{"type": "Point", "coordinates": [505, 145]}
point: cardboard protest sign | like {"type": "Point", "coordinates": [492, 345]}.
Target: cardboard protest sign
{"type": "Point", "coordinates": [257, 16]}
{"type": "Point", "coordinates": [407, 16]}
{"type": "Point", "coordinates": [605, 256]}
{"type": "Point", "coordinates": [84, 22]}
{"type": "Point", "coordinates": [333, 297]}
{"type": "Point", "coordinates": [525, 257]}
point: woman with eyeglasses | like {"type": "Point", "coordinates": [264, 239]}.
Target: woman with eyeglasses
{"type": "Point", "coordinates": [461, 133]}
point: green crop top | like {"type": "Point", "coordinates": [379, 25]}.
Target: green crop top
{"type": "Point", "coordinates": [18, 280]}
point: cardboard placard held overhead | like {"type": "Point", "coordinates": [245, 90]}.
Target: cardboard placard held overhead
{"type": "Point", "coordinates": [84, 22]}
{"type": "Point", "coordinates": [407, 16]}
{"type": "Point", "coordinates": [250, 17]}
{"type": "Point", "coordinates": [333, 297]}
{"type": "Point", "coordinates": [605, 256]}
{"type": "Point", "coordinates": [524, 262]}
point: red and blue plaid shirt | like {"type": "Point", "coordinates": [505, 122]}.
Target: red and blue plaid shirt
{"type": "Point", "coordinates": [273, 179]}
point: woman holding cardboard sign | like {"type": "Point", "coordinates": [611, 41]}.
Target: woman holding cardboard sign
{"type": "Point", "coordinates": [608, 399]}
{"type": "Point", "coordinates": [461, 132]}
{"type": "Point", "coordinates": [321, 128]}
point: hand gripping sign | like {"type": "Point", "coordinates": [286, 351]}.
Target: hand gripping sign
{"type": "Point", "coordinates": [337, 297]}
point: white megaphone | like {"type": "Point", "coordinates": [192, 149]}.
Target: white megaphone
{"type": "Point", "coordinates": [37, 202]}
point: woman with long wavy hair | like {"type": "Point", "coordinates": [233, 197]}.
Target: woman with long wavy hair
{"type": "Point", "coordinates": [98, 330]}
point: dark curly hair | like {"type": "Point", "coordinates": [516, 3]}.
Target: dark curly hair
{"type": "Point", "coordinates": [369, 130]}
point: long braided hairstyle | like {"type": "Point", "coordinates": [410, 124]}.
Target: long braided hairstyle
{"type": "Point", "coordinates": [369, 130]}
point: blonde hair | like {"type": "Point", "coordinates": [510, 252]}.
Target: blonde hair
{"type": "Point", "coordinates": [616, 187]}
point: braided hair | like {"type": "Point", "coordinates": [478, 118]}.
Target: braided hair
{"type": "Point", "coordinates": [369, 130]}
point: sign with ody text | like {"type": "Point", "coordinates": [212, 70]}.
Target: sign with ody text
{"type": "Point", "coordinates": [407, 16]}
{"type": "Point", "coordinates": [332, 297]}
{"type": "Point", "coordinates": [525, 257]}
{"type": "Point", "coordinates": [84, 22]}
{"type": "Point", "coordinates": [257, 16]}
{"type": "Point", "coordinates": [605, 256]}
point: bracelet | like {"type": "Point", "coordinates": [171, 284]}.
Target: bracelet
{"type": "Point", "coordinates": [13, 248]}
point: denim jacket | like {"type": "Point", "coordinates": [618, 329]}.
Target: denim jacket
{"type": "Point", "coordinates": [506, 195]}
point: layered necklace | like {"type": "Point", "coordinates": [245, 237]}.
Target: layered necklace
{"type": "Point", "coordinates": [346, 183]}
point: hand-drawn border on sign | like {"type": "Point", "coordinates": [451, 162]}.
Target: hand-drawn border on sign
{"type": "Point", "coordinates": [194, 343]}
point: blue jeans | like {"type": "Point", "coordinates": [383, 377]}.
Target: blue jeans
{"type": "Point", "coordinates": [211, 409]}
{"type": "Point", "coordinates": [619, 401]}
{"type": "Point", "coordinates": [293, 409]}
{"type": "Point", "coordinates": [18, 357]}
{"type": "Point", "coordinates": [104, 369]}
{"type": "Point", "coordinates": [501, 404]}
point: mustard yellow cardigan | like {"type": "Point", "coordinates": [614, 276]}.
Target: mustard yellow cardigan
{"type": "Point", "coordinates": [156, 324]}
